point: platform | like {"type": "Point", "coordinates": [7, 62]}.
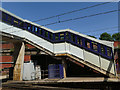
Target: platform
{"type": "Point", "coordinates": [67, 83]}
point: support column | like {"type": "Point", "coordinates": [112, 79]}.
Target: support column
{"type": "Point", "coordinates": [64, 68]}
{"type": "Point", "coordinates": [19, 51]}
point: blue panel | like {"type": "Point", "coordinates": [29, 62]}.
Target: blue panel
{"type": "Point", "coordinates": [58, 36]}
{"type": "Point", "coordinates": [43, 32]}
{"type": "Point", "coordinates": [105, 50]}
{"type": "Point", "coordinates": [112, 55]}
{"type": "Point", "coordinates": [69, 34]}
{"type": "Point", "coordinates": [83, 41]}
{"type": "Point", "coordinates": [61, 71]}
{"type": "Point", "coordinates": [90, 44]}
{"type": "Point", "coordinates": [99, 48]}
{"type": "Point", "coordinates": [64, 35]}
{"type": "Point", "coordinates": [55, 71]}
{"type": "Point", "coordinates": [51, 71]}
{"type": "Point", "coordinates": [48, 35]}
{"type": "Point", "coordinates": [75, 38]}
{"type": "Point", "coordinates": [53, 37]}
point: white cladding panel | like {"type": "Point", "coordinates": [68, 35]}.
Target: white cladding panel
{"type": "Point", "coordinates": [107, 65]}
{"type": "Point", "coordinates": [12, 30]}
{"type": "Point", "coordinates": [18, 32]}
{"type": "Point", "coordinates": [39, 41]}
{"type": "Point", "coordinates": [60, 48]}
{"type": "Point", "coordinates": [78, 52]}
{"type": "Point", "coordinates": [68, 48]}
{"type": "Point", "coordinates": [92, 58]}
{"type": "Point", "coordinates": [6, 28]}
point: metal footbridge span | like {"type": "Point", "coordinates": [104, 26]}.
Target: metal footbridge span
{"type": "Point", "coordinates": [96, 54]}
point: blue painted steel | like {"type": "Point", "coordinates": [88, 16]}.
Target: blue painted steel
{"type": "Point", "coordinates": [61, 71]}
{"type": "Point", "coordinates": [91, 44]}
{"type": "Point", "coordinates": [55, 71]}
{"type": "Point", "coordinates": [51, 71]}
{"type": "Point", "coordinates": [83, 42]}
{"type": "Point", "coordinates": [105, 50]}
{"type": "Point", "coordinates": [12, 21]}
{"type": "Point", "coordinates": [59, 36]}
{"type": "Point", "coordinates": [99, 50]}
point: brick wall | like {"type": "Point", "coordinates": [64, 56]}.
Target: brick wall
{"type": "Point", "coordinates": [7, 46]}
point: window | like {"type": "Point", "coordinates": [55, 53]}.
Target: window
{"type": "Point", "coordinates": [62, 36]}
{"type": "Point", "coordinates": [46, 34]}
{"type": "Point", "coordinates": [36, 29]}
{"type": "Point", "coordinates": [79, 40]}
{"type": "Point", "coordinates": [102, 49]}
{"type": "Point", "coordinates": [4, 16]}
{"type": "Point", "coordinates": [9, 19]}
{"type": "Point", "coordinates": [15, 21]}
{"type": "Point", "coordinates": [108, 51]}
{"type": "Point", "coordinates": [21, 24]}
{"type": "Point", "coordinates": [40, 31]}
{"type": "Point", "coordinates": [94, 46]}
{"type": "Point", "coordinates": [51, 36]}
{"type": "Point", "coordinates": [28, 26]}
{"type": "Point", "coordinates": [67, 35]}
{"type": "Point", "coordinates": [56, 36]}
{"type": "Point", "coordinates": [73, 37]}
{"type": "Point", "coordinates": [87, 43]}
{"type": "Point", "coordinates": [33, 28]}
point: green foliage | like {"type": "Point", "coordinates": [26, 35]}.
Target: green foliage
{"type": "Point", "coordinates": [116, 37]}
{"type": "Point", "coordinates": [105, 36]}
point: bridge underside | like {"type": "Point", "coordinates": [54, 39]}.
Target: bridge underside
{"type": "Point", "coordinates": [73, 69]}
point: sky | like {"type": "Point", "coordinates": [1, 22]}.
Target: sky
{"type": "Point", "coordinates": [95, 25]}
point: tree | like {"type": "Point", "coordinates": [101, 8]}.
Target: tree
{"type": "Point", "coordinates": [92, 36]}
{"type": "Point", "coordinates": [116, 37]}
{"type": "Point", "coordinates": [105, 36]}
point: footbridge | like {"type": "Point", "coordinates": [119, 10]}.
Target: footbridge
{"type": "Point", "coordinates": [76, 47]}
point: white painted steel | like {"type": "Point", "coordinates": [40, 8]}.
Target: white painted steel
{"type": "Point", "coordinates": [61, 48]}
{"type": "Point", "coordinates": [92, 58]}
{"type": "Point", "coordinates": [76, 51]}
{"type": "Point", "coordinates": [68, 48]}
{"type": "Point", "coordinates": [107, 65]}
{"type": "Point", "coordinates": [39, 41]}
